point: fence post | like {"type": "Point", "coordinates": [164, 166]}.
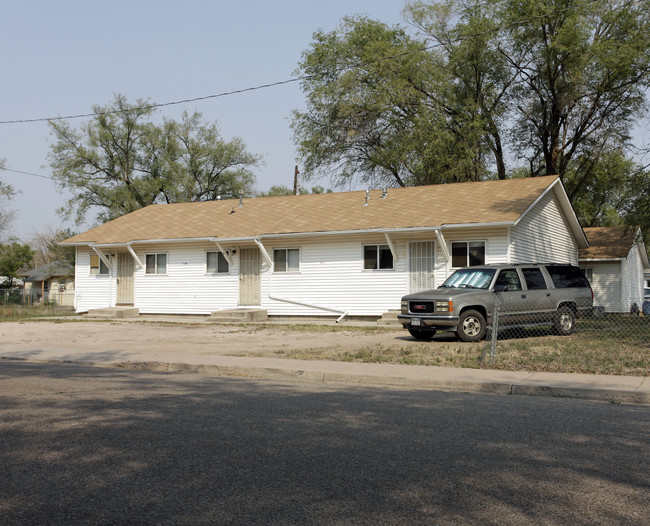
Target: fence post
{"type": "Point", "coordinates": [492, 345]}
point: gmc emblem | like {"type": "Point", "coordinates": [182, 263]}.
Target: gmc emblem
{"type": "Point", "coordinates": [418, 307]}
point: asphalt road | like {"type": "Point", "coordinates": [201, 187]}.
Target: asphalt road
{"type": "Point", "coordinates": [100, 446]}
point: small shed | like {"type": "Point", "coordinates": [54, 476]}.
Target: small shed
{"type": "Point", "coordinates": [615, 263]}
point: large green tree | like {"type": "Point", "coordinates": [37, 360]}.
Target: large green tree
{"type": "Point", "coordinates": [14, 256]}
{"type": "Point", "coordinates": [200, 165]}
{"type": "Point", "coordinates": [484, 89]}
{"type": "Point", "coordinates": [121, 160]}
{"type": "Point", "coordinates": [366, 115]}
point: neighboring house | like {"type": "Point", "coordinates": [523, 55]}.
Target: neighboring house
{"type": "Point", "coordinates": [335, 254]}
{"type": "Point", "coordinates": [53, 282]}
{"type": "Point", "coordinates": [614, 264]}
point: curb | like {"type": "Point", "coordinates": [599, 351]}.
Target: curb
{"type": "Point", "coordinates": [396, 382]}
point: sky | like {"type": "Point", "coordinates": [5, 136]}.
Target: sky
{"type": "Point", "coordinates": [61, 58]}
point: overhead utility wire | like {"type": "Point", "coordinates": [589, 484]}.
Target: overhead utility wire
{"type": "Point", "coordinates": [292, 80]}
{"type": "Point", "coordinates": [26, 173]}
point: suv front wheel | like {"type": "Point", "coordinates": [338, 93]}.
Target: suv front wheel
{"type": "Point", "coordinates": [471, 326]}
{"type": "Point", "coordinates": [565, 321]}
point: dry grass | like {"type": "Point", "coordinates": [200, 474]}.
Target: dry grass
{"type": "Point", "coordinates": [606, 346]}
{"type": "Point", "coordinates": [21, 312]}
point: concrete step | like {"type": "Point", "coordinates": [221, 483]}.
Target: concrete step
{"type": "Point", "coordinates": [239, 315]}
{"type": "Point", "coordinates": [389, 318]}
{"type": "Point", "coordinates": [114, 313]}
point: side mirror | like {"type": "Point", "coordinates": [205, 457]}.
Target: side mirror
{"type": "Point", "coordinates": [499, 288]}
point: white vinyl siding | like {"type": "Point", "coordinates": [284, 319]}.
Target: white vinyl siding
{"type": "Point", "coordinates": [331, 278]}
{"type": "Point", "coordinates": [606, 284]}
{"type": "Point", "coordinates": [632, 280]}
{"type": "Point", "coordinates": [185, 289]}
{"type": "Point", "coordinates": [332, 281]}
{"type": "Point", "coordinates": [543, 236]}
{"type": "Point", "coordinates": [92, 291]}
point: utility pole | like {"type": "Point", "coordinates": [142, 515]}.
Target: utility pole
{"type": "Point", "coordinates": [295, 180]}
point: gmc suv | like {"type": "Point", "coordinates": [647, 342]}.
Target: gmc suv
{"type": "Point", "coordinates": [526, 295]}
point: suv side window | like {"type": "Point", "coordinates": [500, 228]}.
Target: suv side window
{"type": "Point", "coordinates": [509, 279]}
{"type": "Point", "coordinates": [534, 278]}
{"type": "Point", "coordinates": [566, 276]}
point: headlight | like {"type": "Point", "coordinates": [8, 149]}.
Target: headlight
{"type": "Point", "coordinates": [444, 306]}
{"type": "Point", "coordinates": [405, 307]}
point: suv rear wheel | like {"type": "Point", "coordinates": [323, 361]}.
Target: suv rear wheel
{"type": "Point", "coordinates": [471, 326]}
{"type": "Point", "coordinates": [565, 321]}
{"type": "Point", "coordinates": [423, 336]}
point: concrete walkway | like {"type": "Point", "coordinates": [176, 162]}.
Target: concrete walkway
{"type": "Point", "coordinates": [619, 389]}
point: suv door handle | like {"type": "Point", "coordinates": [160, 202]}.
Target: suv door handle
{"type": "Point", "coordinates": [523, 295]}
{"type": "Point", "coordinates": [548, 294]}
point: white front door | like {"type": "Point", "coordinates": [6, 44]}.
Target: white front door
{"type": "Point", "coordinates": [249, 276]}
{"type": "Point", "coordinates": [125, 268]}
{"type": "Point", "coordinates": [422, 259]}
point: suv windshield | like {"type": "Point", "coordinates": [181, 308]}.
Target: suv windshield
{"type": "Point", "coordinates": [473, 278]}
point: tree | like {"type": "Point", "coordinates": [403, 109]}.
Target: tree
{"type": "Point", "coordinates": [200, 165]}
{"type": "Point", "coordinates": [121, 161]}
{"type": "Point", "coordinates": [367, 117]}
{"type": "Point", "coordinates": [48, 250]}
{"type": "Point", "coordinates": [6, 193]}
{"type": "Point", "coordinates": [583, 69]}
{"type": "Point", "coordinates": [285, 190]}
{"type": "Point", "coordinates": [556, 85]}
{"type": "Point", "coordinates": [475, 94]}
{"type": "Point", "coordinates": [14, 256]}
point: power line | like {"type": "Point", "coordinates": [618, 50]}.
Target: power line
{"type": "Point", "coordinates": [27, 173]}
{"type": "Point", "coordinates": [296, 79]}
{"type": "Point", "coordinates": [161, 105]}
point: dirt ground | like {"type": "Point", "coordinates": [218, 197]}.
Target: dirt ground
{"type": "Point", "coordinates": [200, 338]}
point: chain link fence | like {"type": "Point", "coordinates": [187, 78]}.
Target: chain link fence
{"type": "Point", "coordinates": [33, 297]}
{"type": "Point", "coordinates": [566, 333]}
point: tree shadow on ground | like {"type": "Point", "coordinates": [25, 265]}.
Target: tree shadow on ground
{"type": "Point", "coordinates": [104, 446]}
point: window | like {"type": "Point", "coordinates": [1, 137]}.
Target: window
{"type": "Point", "coordinates": [377, 257]}
{"type": "Point", "coordinates": [97, 266]}
{"type": "Point", "coordinates": [534, 278]}
{"type": "Point", "coordinates": [567, 276]}
{"type": "Point", "coordinates": [156, 263]}
{"type": "Point", "coordinates": [286, 260]}
{"type": "Point", "coordinates": [509, 279]}
{"type": "Point", "coordinates": [589, 274]}
{"type": "Point", "coordinates": [216, 263]}
{"type": "Point", "coordinates": [468, 278]}
{"type": "Point", "coordinates": [467, 253]}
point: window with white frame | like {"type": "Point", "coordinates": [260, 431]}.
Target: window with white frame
{"type": "Point", "coordinates": [216, 263]}
{"type": "Point", "coordinates": [156, 263]}
{"type": "Point", "coordinates": [467, 253]}
{"type": "Point", "coordinates": [97, 265]}
{"type": "Point", "coordinates": [286, 260]}
{"type": "Point", "coordinates": [377, 257]}
{"type": "Point", "coordinates": [589, 274]}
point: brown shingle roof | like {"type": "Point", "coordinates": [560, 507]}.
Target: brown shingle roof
{"type": "Point", "coordinates": [610, 242]}
{"type": "Point", "coordinates": [412, 207]}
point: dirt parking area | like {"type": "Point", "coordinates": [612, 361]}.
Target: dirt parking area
{"type": "Point", "coordinates": [121, 337]}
